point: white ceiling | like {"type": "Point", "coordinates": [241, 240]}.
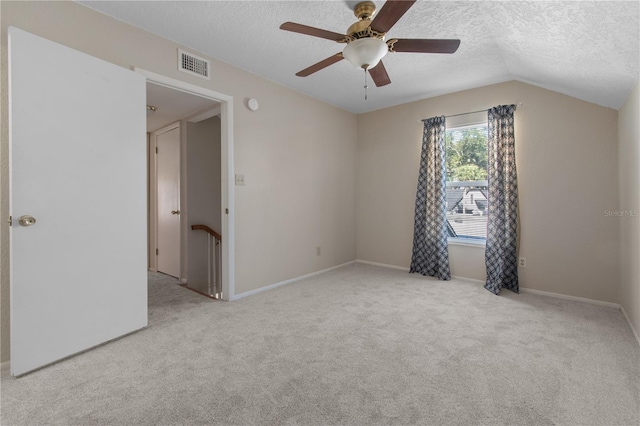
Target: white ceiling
{"type": "Point", "coordinates": [172, 105]}
{"type": "Point", "coordinates": [589, 50]}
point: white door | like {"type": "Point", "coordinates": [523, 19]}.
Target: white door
{"type": "Point", "coordinates": [77, 152]}
{"type": "Point", "coordinates": [168, 196]}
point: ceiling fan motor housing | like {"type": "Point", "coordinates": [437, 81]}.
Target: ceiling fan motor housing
{"type": "Point", "coordinates": [361, 29]}
{"type": "Point", "coordinates": [364, 11]}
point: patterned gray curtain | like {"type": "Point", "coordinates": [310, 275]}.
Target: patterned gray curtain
{"type": "Point", "coordinates": [430, 253]}
{"type": "Point", "coordinates": [501, 255]}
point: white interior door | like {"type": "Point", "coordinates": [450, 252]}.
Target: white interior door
{"type": "Point", "coordinates": [77, 152]}
{"type": "Point", "coordinates": [168, 196]}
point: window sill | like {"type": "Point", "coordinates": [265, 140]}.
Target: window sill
{"type": "Point", "coordinates": [469, 242]}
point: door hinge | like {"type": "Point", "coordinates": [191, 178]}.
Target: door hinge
{"type": "Point", "coordinates": [10, 221]}
{"type": "Point", "coordinates": [156, 149]}
{"type": "Point", "coordinates": [156, 252]}
{"type": "Point", "coordinates": [226, 211]}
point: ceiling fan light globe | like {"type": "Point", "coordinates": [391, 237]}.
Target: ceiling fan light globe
{"type": "Point", "coordinates": [365, 52]}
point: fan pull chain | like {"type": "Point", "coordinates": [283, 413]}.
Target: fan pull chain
{"type": "Point", "coordinates": [365, 83]}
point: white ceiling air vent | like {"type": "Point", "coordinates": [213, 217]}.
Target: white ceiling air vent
{"type": "Point", "coordinates": [192, 64]}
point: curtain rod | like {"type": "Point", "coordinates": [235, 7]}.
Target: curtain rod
{"type": "Point", "coordinates": [465, 113]}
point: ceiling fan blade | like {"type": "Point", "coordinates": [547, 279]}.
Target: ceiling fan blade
{"type": "Point", "coordinates": [379, 75]}
{"type": "Point", "coordinates": [320, 65]}
{"type": "Point", "coordinates": [389, 14]}
{"type": "Point", "coordinates": [424, 45]}
{"type": "Point", "coordinates": [316, 32]}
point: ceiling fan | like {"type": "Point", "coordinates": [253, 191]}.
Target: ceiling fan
{"type": "Point", "coordinates": [365, 40]}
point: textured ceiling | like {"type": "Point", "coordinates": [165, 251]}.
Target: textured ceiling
{"type": "Point", "coordinates": [589, 50]}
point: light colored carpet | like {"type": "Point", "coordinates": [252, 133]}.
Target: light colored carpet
{"type": "Point", "coordinates": [359, 345]}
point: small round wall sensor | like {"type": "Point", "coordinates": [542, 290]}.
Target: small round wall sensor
{"type": "Point", "coordinates": [253, 104]}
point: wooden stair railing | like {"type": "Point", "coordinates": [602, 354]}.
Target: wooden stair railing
{"type": "Point", "coordinates": [214, 287]}
{"type": "Point", "coordinates": [208, 230]}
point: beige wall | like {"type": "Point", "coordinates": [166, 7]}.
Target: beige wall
{"type": "Point", "coordinates": [297, 153]}
{"type": "Point", "coordinates": [567, 167]}
{"type": "Point", "coordinates": [303, 188]}
{"type": "Point", "coordinates": [629, 178]}
{"type": "Point", "coordinates": [203, 195]}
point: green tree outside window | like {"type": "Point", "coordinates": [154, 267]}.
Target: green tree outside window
{"type": "Point", "coordinates": [466, 154]}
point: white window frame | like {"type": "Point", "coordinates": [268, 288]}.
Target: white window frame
{"type": "Point", "coordinates": [462, 123]}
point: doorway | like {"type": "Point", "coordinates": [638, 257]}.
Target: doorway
{"type": "Point", "coordinates": [185, 106]}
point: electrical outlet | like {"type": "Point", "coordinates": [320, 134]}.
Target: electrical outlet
{"type": "Point", "coordinates": [318, 251]}
{"type": "Point", "coordinates": [522, 262]}
{"type": "Point", "coordinates": [240, 180]}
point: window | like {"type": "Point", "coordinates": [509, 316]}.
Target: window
{"type": "Point", "coordinates": [467, 201]}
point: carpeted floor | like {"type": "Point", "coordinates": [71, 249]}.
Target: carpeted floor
{"type": "Point", "coordinates": [359, 345]}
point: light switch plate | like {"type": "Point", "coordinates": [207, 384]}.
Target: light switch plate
{"type": "Point", "coordinates": [240, 180]}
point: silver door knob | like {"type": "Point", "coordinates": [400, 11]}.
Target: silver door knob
{"type": "Point", "coordinates": [26, 220]}
{"type": "Point", "coordinates": [175, 211]}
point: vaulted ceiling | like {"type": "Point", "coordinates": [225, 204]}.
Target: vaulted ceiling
{"type": "Point", "coordinates": [589, 50]}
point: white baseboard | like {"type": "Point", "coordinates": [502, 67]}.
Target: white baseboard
{"type": "Point", "coordinates": [281, 283]}
{"type": "Point", "coordinates": [572, 298]}
{"type": "Point", "coordinates": [405, 269]}
{"type": "Point", "coordinates": [469, 280]}
{"type": "Point", "coordinates": [383, 265]}
{"type": "Point", "coordinates": [633, 330]}
{"type": "Point", "coordinates": [551, 294]}
{"type": "Point", "coordinates": [183, 280]}
{"type": "Point", "coordinates": [533, 291]}
{"type": "Point", "coordinates": [589, 301]}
